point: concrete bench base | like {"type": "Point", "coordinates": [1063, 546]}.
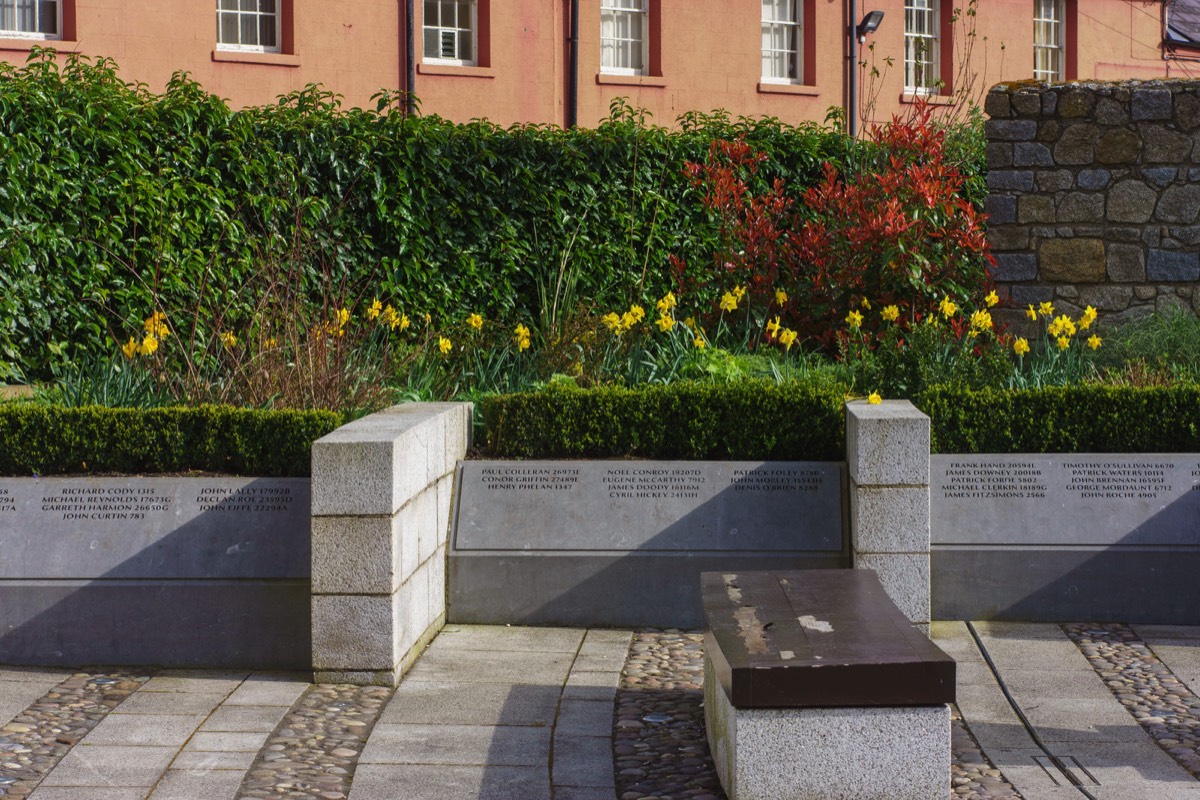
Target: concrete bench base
{"type": "Point", "coordinates": [899, 753]}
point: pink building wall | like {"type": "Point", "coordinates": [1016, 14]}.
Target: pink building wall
{"type": "Point", "coordinates": [705, 55]}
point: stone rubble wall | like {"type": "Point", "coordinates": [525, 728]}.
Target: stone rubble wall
{"type": "Point", "coordinates": [1094, 194]}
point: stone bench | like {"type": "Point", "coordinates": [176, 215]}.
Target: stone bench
{"type": "Point", "coordinates": [817, 686]}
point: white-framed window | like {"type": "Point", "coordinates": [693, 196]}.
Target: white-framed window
{"type": "Point", "coordinates": [31, 19]}
{"type": "Point", "coordinates": [449, 31]}
{"type": "Point", "coordinates": [922, 43]}
{"type": "Point", "coordinates": [782, 41]}
{"type": "Point", "coordinates": [1048, 44]}
{"type": "Point", "coordinates": [248, 25]}
{"type": "Point", "coordinates": [624, 29]}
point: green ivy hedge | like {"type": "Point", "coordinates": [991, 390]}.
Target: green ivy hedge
{"type": "Point", "coordinates": [112, 195]}
{"type": "Point", "coordinates": [50, 440]}
{"type": "Point", "coordinates": [1067, 419]}
{"type": "Point", "coordinates": [746, 420]}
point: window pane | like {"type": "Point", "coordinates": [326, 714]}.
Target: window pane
{"type": "Point", "coordinates": [431, 13]}
{"type": "Point", "coordinates": [249, 26]}
{"type": "Point", "coordinates": [48, 17]}
{"type": "Point", "coordinates": [266, 30]}
{"type": "Point", "coordinates": [229, 29]}
{"type": "Point", "coordinates": [249, 5]}
{"type": "Point", "coordinates": [229, 5]}
{"type": "Point", "coordinates": [464, 47]}
{"type": "Point", "coordinates": [431, 43]}
{"type": "Point", "coordinates": [266, 6]}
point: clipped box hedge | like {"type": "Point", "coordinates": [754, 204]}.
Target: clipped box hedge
{"type": "Point", "coordinates": [48, 440]}
{"type": "Point", "coordinates": [747, 420]}
{"type": "Point", "coordinates": [1066, 419]}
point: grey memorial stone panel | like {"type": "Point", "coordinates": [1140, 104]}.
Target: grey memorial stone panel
{"type": "Point", "coordinates": [645, 506]}
{"type": "Point", "coordinates": [174, 571]}
{"type": "Point", "coordinates": [1065, 499]}
{"type": "Point", "coordinates": [1064, 537]}
{"type": "Point", "coordinates": [623, 543]}
{"type": "Point", "coordinates": [163, 527]}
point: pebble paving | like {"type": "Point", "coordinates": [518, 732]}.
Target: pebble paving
{"type": "Point", "coordinates": [313, 751]}
{"type": "Point", "coordinates": [659, 746]}
{"type": "Point", "coordinates": [1163, 704]}
{"type": "Point", "coordinates": [38, 738]}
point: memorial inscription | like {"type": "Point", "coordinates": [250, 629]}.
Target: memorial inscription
{"type": "Point", "coordinates": [649, 505]}
{"type": "Point", "coordinates": [1064, 499]}
{"type": "Point", "coordinates": [96, 527]}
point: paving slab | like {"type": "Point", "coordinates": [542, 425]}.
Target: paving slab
{"type": "Point", "coordinates": [440, 782]}
{"type": "Point", "coordinates": [456, 703]}
{"type": "Point", "coordinates": [244, 719]}
{"type": "Point", "coordinates": [16, 696]}
{"type": "Point", "coordinates": [142, 729]}
{"type": "Point", "coordinates": [111, 766]}
{"type": "Point", "coordinates": [510, 637]}
{"type": "Point", "coordinates": [462, 745]}
{"type": "Point", "coordinates": [492, 666]}
{"type": "Point", "coordinates": [180, 784]}
{"type": "Point", "coordinates": [265, 689]}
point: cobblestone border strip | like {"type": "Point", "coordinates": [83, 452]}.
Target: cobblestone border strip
{"type": "Point", "coordinates": [314, 750]}
{"type": "Point", "coordinates": [39, 737]}
{"type": "Point", "coordinates": [972, 775]}
{"type": "Point", "coordinates": [659, 744]}
{"type": "Point", "coordinates": [659, 747]}
{"type": "Point", "coordinates": [1160, 702]}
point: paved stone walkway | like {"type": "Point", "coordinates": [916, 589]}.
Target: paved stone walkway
{"type": "Point", "coordinates": [499, 713]}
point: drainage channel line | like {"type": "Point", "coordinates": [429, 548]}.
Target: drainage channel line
{"type": "Point", "coordinates": [1033, 734]}
{"type": "Point", "coordinates": [314, 750]}
{"type": "Point", "coordinates": [38, 738]}
{"type": "Point", "coordinates": [1167, 710]}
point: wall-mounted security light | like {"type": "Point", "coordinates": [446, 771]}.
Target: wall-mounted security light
{"type": "Point", "coordinates": [869, 24]}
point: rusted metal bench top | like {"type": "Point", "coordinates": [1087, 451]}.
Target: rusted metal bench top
{"type": "Point", "coordinates": [818, 638]}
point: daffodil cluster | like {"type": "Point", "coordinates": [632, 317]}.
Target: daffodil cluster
{"type": "Point", "coordinates": [156, 329]}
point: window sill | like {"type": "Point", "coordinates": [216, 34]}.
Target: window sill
{"type": "Point", "coordinates": [931, 99]}
{"type": "Point", "coordinates": [21, 43]}
{"type": "Point", "coordinates": [454, 69]}
{"type": "Point", "coordinates": [269, 59]}
{"type": "Point", "coordinates": [766, 87]}
{"type": "Point", "coordinates": [630, 80]}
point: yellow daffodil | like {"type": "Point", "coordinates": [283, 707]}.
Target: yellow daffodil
{"type": "Point", "coordinates": [521, 334]}
{"type": "Point", "coordinates": [343, 316]}
{"type": "Point", "coordinates": [1089, 316]}
{"type": "Point", "coordinates": [130, 348]}
{"type": "Point", "coordinates": [149, 345]}
{"type": "Point", "coordinates": [739, 292]}
{"type": "Point", "coordinates": [854, 320]}
{"type": "Point", "coordinates": [690, 322]}
{"type": "Point", "coordinates": [475, 321]}
{"type": "Point", "coordinates": [637, 312]}
{"type": "Point", "coordinates": [628, 320]}
{"type": "Point", "coordinates": [866, 304]}
{"type": "Point", "coordinates": [270, 342]}
{"type": "Point", "coordinates": [781, 297]}
{"type": "Point", "coordinates": [947, 307]}
{"type": "Point", "coordinates": [666, 303]}
{"type": "Point", "coordinates": [229, 340]}
{"type": "Point", "coordinates": [375, 310]}
{"type": "Point", "coordinates": [428, 318]}
{"type": "Point", "coordinates": [1046, 309]}
{"type": "Point", "coordinates": [665, 323]}
{"type": "Point", "coordinates": [699, 342]}
{"type": "Point", "coordinates": [991, 298]}
{"type": "Point", "coordinates": [1061, 326]}
{"type": "Point", "coordinates": [890, 313]}
{"type": "Point", "coordinates": [981, 320]}
{"type": "Point", "coordinates": [1094, 342]}
{"type": "Point", "coordinates": [787, 338]}
{"type": "Point", "coordinates": [1021, 346]}
{"type": "Point", "coordinates": [1031, 313]}
{"type": "Point", "coordinates": [728, 302]}
{"type": "Point", "coordinates": [773, 328]}
{"type": "Point", "coordinates": [874, 399]}
{"type": "Point", "coordinates": [612, 321]}
{"type": "Point", "coordinates": [444, 345]}
{"type": "Point", "coordinates": [1063, 342]}
{"type": "Point", "coordinates": [156, 325]}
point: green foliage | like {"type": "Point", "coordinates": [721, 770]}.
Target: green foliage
{"type": "Point", "coordinates": [748, 419]}
{"type": "Point", "coordinates": [904, 363]}
{"type": "Point", "coordinates": [1066, 419]}
{"type": "Point", "coordinates": [1165, 341]}
{"type": "Point", "coordinates": [47, 440]}
{"type": "Point", "coordinates": [116, 202]}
